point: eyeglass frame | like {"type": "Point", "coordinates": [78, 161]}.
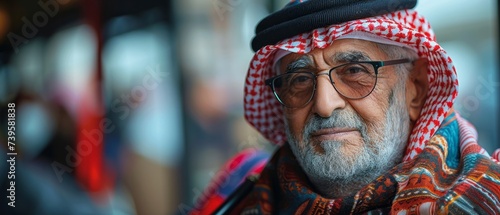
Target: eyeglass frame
{"type": "Point", "coordinates": [376, 65]}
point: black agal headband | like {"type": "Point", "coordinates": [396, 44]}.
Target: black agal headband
{"type": "Point", "coordinates": [300, 17]}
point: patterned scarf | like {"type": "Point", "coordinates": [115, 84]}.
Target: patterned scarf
{"type": "Point", "coordinates": [440, 180]}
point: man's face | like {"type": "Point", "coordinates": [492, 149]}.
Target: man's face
{"type": "Point", "coordinates": [339, 139]}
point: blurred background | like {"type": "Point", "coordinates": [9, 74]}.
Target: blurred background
{"type": "Point", "coordinates": [130, 107]}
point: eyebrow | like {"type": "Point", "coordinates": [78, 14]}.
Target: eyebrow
{"type": "Point", "coordinates": [351, 56]}
{"type": "Point", "coordinates": [303, 62]}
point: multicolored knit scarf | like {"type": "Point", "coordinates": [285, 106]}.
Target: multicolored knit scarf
{"type": "Point", "coordinates": [440, 180]}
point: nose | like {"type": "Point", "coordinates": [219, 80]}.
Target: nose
{"type": "Point", "coordinates": [326, 98]}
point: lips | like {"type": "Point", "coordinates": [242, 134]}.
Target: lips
{"type": "Point", "coordinates": [332, 133]}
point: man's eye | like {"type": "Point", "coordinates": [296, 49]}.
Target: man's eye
{"type": "Point", "coordinates": [353, 69]}
{"type": "Point", "coordinates": [299, 79]}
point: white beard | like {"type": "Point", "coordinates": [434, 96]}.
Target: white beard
{"type": "Point", "coordinates": [336, 174]}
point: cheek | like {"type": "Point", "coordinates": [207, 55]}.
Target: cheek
{"type": "Point", "coordinates": [297, 120]}
{"type": "Point", "coordinates": [370, 111]}
{"type": "Point", "coordinates": [373, 113]}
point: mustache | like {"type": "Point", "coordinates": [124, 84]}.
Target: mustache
{"type": "Point", "coordinates": [338, 119]}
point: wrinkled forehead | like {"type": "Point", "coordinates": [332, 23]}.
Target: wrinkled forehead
{"type": "Point", "coordinates": [340, 51]}
{"type": "Point", "coordinates": [355, 46]}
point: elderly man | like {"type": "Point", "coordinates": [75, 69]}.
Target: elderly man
{"type": "Point", "coordinates": [360, 97]}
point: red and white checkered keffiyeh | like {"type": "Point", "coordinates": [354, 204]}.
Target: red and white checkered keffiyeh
{"type": "Point", "coordinates": [264, 112]}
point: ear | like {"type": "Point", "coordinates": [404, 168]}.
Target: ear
{"type": "Point", "coordinates": [417, 87]}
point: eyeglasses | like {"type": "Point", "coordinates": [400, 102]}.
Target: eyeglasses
{"type": "Point", "coordinates": [354, 80]}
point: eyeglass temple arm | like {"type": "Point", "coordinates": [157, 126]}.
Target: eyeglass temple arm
{"type": "Point", "coordinates": [393, 62]}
